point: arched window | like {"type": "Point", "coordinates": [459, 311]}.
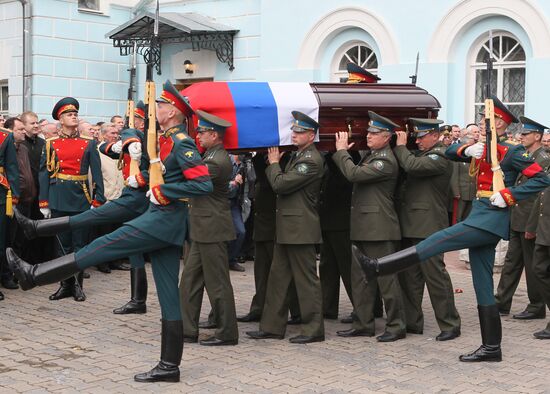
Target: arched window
{"type": "Point", "coordinates": [508, 76]}
{"type": "Point", "coordinates": [358, 53]}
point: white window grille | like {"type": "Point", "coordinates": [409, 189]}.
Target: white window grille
{"type": "Point", "coordinates": [88, 5]}
{"type": "Point", "coordinates": [358, 53]}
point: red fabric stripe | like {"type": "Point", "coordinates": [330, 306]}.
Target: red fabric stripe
{"type": "Point", "coordinates": [215, 98]}
{"type": "Point", "coordinates": [503, 115]}
{"type": "Point", "coordinates": [195, 172]}
{"type": "Point", "coordinates": [532, 170]}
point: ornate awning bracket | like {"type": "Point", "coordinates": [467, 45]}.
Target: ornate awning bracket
{"type": "Point", "coordinates": [200, 32]}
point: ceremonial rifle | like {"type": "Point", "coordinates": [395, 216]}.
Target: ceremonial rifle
{"type": "Point", "coordinates": [155, 167]}
{"type": "Point", "coordinates": [130, 107]}
{"type": "Point", "coordinates": [491, 137]}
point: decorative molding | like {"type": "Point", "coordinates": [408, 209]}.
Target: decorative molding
{"type": "Point", "coordinates": [469, 12]}
{"type": "Point", "coordinates": [341, 19]}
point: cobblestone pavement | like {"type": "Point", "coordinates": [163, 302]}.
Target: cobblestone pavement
{"type": "Point", "coordinates": [65, 346]}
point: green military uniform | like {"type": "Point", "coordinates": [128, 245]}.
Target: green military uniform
{"type": "Point", "coordinates": [520, 252]}
{"type": "Point", "coordinates": [423, 211]}
{"type": "Point", "coordinates": [464, 186]}
{"type": "Point", "coordinates": [206, 264]}
{"type": "Point", "coordinates": [297, 231]}
{"type": "Point", "coordinates": [375, 230]}
{"type": "Point", "coordinates": [335, 262]}
{"type": "Point", "coordinates": [9, 184]}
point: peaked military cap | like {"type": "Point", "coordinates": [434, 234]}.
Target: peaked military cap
{"type": "Point", "coordinates": [303, 123]}
{"type": "Point", "coordinates": [140, 110]}
{"type": "Point", "coordinates": [530, 126]}
{"type": "Point", "coordinates": [359, 74]}
{"type": "Point", "coordinates": [66, 104]}
{"type": "Point", "coordinates": [445, 128]}
{"type": "Point", "coordinates": [425, 126]}
{"type": "Point", "coordinates": [503, 112]}
{"type": "Point", "coordinates": [378, 123]}
{"type": "Point", "coordinates": [209, 122]}
{"type": "Point", "coordinates": [171, 95]}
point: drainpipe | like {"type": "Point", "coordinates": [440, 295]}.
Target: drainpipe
{"type": "Point", "coordinates": [27, 52]}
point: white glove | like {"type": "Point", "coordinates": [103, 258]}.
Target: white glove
{"type": "Point", "coordinates": [117, 147]}
{"type": "Point", "coordinates": [498, 201]}
{"type": "Point", "coordinates": [134, 149]}
{"type": "Point", "coordinates": [46, 213]}
{"type": "Point", "coordinates": [152, 197]}
{"type": "Point", "coordinates": [475, 151]}
{"type": "Point", "coordinates": [132, 182]}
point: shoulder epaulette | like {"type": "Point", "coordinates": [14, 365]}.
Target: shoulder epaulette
{"type": "Point", "coordinates": [181, 136]}
{"type": "Point", "coordinates": [86, 137]}
{"type": "Point", "coordinates": [511, 142]}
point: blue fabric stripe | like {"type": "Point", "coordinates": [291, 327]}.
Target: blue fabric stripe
{"type": "Point", "coordinates": [256, 112]}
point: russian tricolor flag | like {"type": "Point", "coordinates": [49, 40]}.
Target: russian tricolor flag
{"type": "Point", "coordinates": [259, 111]}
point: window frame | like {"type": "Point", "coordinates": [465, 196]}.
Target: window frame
{"type": "Point", "coordinates": [499, 67]}
{"type": "Point", "coordinates": [338, 75]}
{"type": "Point", "coordinates": [91, 10]}
{"type": "Point", "coordinates": [4, 84]}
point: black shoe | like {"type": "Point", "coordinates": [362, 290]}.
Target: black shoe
{"type": "Point", "coordinates": [161, 373]}
{"type": "Point", "coordinates": [104, 268]}
{"type": "Point", "coordinates": [390, 264]}
{"type": "Point", "coordinates": [354, 333]}
{"type": "Point", "coordinates": [120, 266]}
{"type": "Point", "coordinates": [138, 291]}
{"type": "Point", "coordinates": [41, 228]}
{"type": "Point", "coordinates": [448, 335]}
{"type": "Point", "coordinates": [213, 341]}
{"type": "Point", "coordinates": [131, 307]}
{"type": "Point", "coordinates": [294, 321]}
{"type": "Point", "coordinates": [483, 353]}
{"type": "Point", "coordinates": [9, 283]}
{"type": "Point", "coordinates": [207, 325]}
{"type": "Point", "coordinates": [190, 339]}
{"type": "Point", "coordinates": [171, 349]}
{"type": "Point", "coordinates": [249, 317]}
{"type": "Point", "coordinates": [526, 315]}
{"type": "Point", "coordinates": [45, 273]}
{"type": "Point", "coordinates": [415, 331]}
{"type": "Point", "coordinates": [86, 275]}
{"type": "Point", "coordinates": [390, 337]}
{"type": "Point", "coordinates": [263, 335]}
{"type": "Point", "coordinates": [236, 267]}
{"type": "Point", "coordinates": [78, 292]}
{"type": "Point", "coordinates": [65, 290]}
{"type": "Point", "coordinates": [543, 334]}
{"type": "Point", "coordinates": [303, 339]}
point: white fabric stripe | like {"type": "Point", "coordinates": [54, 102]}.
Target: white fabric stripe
{"type": "Point", "coordinates": [293, 97]}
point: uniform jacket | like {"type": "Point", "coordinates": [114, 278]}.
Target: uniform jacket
{"type": "Point", "coordinates": [131, 198]}
{"type": "Point", "coordinates": [335, 204]}
{"type": "Point", "coordinates": [297, 189]}
{"type": "Point", "coordinates": [521, 210]}
{"type": "Point", "coordinates": [462, 184]}
{"type": "Point", "coordinates": [9, 175]}
{"type": "Point", "coordinates": [373, 215]}
{"type": "Point", "coordinates": [423, 204]}
{"type": "Point", "coordinates": [514, 159]}
{"type": "Point", "coordinates": [210, 215]}
{"type": "Point", "coordinates": [264, 203]}
{"type": "Point", "coordinates": [185, 176]}
{"type": "Point", "coordinates": [63, 158]}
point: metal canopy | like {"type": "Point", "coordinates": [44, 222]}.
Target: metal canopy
{"type": "Point", "coordinates": [174, 27]}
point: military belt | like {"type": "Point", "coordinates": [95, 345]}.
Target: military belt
{"type": "Point", "coordinates": [67, 177]}
{"type": "Point", "coordinates": [484, 193]}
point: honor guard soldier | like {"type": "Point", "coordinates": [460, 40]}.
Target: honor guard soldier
{"type": "Point", "coordinates": [297, 231]}
{"type": "Point", "coordinates": [358, 74]}
{"type": "Point", "coordinates": [9, 190]}
{"type": "Point", "coordinates": [160, 231]}
{"type": "Point", "coordinates": [422, 212]}
{"type": "Point", "coordinates": [374, 226]}
{"type": "Point", "coordinates": [139, 112]}
{"type": "Point", "coordinates": [522, 242]}
{"type": "Point", "coordinates": [211, 227]}
{"type": "Point", "coordinates": [64, 187]}
{"type": "Point", "coordinates": [486, 225]}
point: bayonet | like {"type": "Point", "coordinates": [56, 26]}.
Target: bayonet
{"type": "Point", "coordinates": [414, 77]}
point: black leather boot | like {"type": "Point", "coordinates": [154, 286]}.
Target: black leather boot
{"type": "Point", "coordinates": [41, 274]}
{"type": "Point", "coordinates": [171, 350]}
{"type": "Point", "coordinates": [41, 228]}
{"type": "Point", "coordinates": [390, 264]}
{"type": "Point", "coordinates": [65, 290]}
{"type": "Point", "coordinates": [491, 336]}
{"type": "Point", "coordinates": [138, 289]}
{"type": "Point", "coordinates": [78, 288]}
